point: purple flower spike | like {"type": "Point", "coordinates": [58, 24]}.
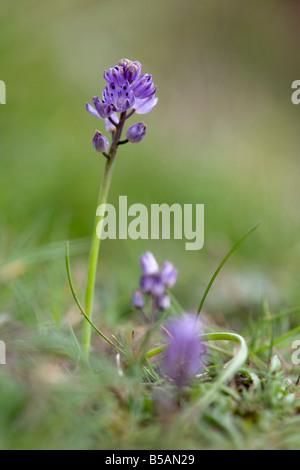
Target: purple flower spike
{"type": "Point", "coordinates": [100, 142]}
{"type": "Point", "coordinates": [149, 264]}
{"type": "Point", "coordinates": [163, 302]}
{"type": "Point", "coordinates": [181, 360]}
{"type": "Point", "coordinates": [144, 87]}
{"type": "Point", "coordinates": [136, 132]}
{"type": "Point", "coordinates": [138, 300]}
{"type": "Point", "coordinates": [168, 274]}
{"type": "Point", "coordinates": [126, 89]}
{"type": "Point", "coordinates": [146, 284]}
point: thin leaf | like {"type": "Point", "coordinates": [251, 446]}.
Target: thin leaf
{"type": "Point", "coordinates": [222, 264]}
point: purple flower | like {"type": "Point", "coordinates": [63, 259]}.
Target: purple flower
{"type": "Point", "coordinates": [168, 274]}
{"type": "Point", "coordinates": [138, 300]}
{"type": "Point", "coordinates": [118, 97]}
{"type": "Point", "coordinates": [101, 110]}
{"type": "Point", "coordinates": [144, 87]}
{"type": "Point", "coordinates": [136, 132]}
{"type": "Point", "coordinates": [100, 142]}
{"type": "Point", "coordinates": [149, 264]}
{"type": "Point", "coordinates": [158, 287]}
{"type": "Point", "coordinates": [132, 70]}
{"type": "Point", "coordinates": [115, 75]}
{"type": "Point", "coordinates": [181, 360]}
{"type": "Point", "coordinates": [154, 282]}
{"type": "Point", "coordinates": [163, 302]}
{"type": "Point", "coordinates": [146, 284]}
{"type": "Point", "coordinates": [126, 89]}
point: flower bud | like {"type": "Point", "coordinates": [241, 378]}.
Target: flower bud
{"type": "Point", "coordinates": [136, 132]}
{"type": "Point", "coordinates": [132, 71]}
{"type": "Point", "coordinates": [163, 302]}
{"type": "Point", "coordinates": [149, 264]}
{"type": "Point", "coordinates": [138, 300]}
{"type": "Point", "coordinates": [158, 287]}
{"type": "Point", "coordinates": [168, 274]}
{"type": "Point", "coordinates": [100, 142]}
{"type": "Point", "coordinates": [146, 284]}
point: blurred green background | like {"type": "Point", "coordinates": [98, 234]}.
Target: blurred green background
{"type": "Point", "coordinates": [225, 133]}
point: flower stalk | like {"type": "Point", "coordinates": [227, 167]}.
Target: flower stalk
{"type": "Point", "coordinates": [95, 244]}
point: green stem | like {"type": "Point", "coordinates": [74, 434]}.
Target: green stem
{"type": "Point", "coordinates": [227, 374]}
{"type": "Point", "coordinates": [95, 245]}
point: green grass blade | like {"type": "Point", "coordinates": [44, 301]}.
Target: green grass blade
{"type": "Point", "coordinates": [222, 264]}
{"type": "Point", "coordinates": [77, 300]}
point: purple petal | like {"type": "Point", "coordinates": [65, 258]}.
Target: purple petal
{"type": "Point", "coordinates": [146, 105]}
{"type": "Point", "coordinates": [92, 110]}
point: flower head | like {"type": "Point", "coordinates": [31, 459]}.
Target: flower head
{"type": "Point", "coordinates": [126, 89]}
{"type": "Point", "coordinates": [181, 360]}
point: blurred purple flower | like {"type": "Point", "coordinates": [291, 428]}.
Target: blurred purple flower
{"type": "Point", "coordinates": [168, 274]}
{"type": "Point", "coordinates": [163, 302]}
{"type": "Point", "coordinates": [138, 300]}
{"type": "Point", "coordinates": [146, 284]}
{"type": "Point", "coordinates": [181, 360]}
{"type": "Point", "coordinates": [149, 264]}
{"type": "Point", "coordinates": [154, 282]}
{"type": "Point", "coordinates": [158, 287]}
